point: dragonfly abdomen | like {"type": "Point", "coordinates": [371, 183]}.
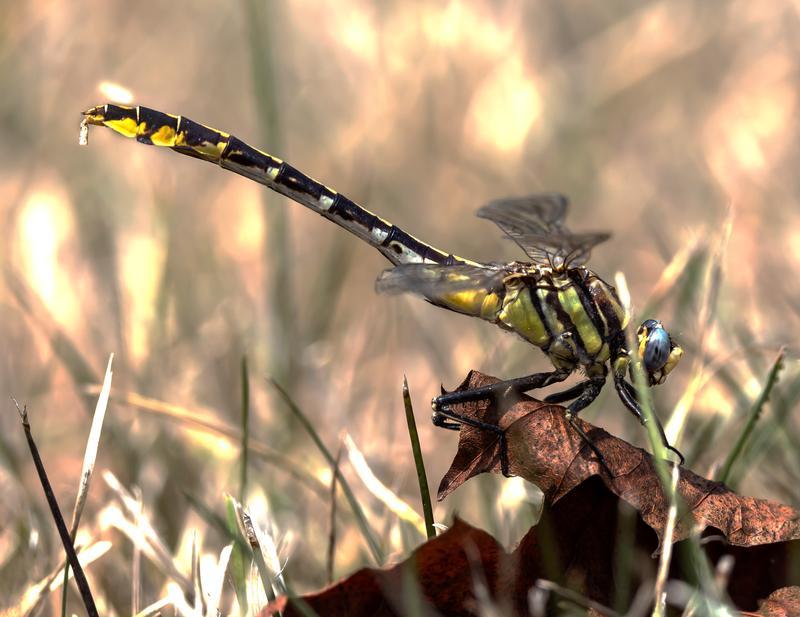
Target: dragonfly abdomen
{"type": "Point", "coordinates": [152, 127]}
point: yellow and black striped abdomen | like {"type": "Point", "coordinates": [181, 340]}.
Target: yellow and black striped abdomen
{"type": "Point", "coordinates": [152, 127]}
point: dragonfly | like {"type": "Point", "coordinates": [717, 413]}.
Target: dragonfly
{"type": "Point", "coordinates": [552, 300]}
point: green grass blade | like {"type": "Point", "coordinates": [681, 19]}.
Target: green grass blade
{"type": "Point", "coordinates": [330, 558]}
{"type": "Point", "coordinates": [206, 420]}
{"type": "Point", "coordinates": [752, 418]}
{"type": "Point", "coordinates": [239, 541]}
{"type": "Point", "coordinates": [706, 317]}
{"type": "Point", "coordinates": [258, 555]}
{"type": "Point", "coordinates": [784, 403]}
{"type": "Point", "coordinates": [62, 346]}
{"type": "Point", "coordinates": [660, 593]}
{"type": "Point", "coordinates": [695, 558]}
{"type": "Point", "coordinates": [245, 430]}
{"type": "Point", "coordinates": [363, 525]}
{"type": "Point", "coordinates": [259, 20]}
{"type": "Point", "coordinates": [419, 463]}
{"type": "Point", "coordinates": [644, 395]}
{"type": "Point", "coordinates": [215, 520]}
{"type": "Point", "coordinates": [240, 558]}
{"type": "Point", "coordinates": [303, 607]}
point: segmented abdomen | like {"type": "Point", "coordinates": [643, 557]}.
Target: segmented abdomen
{"type": "Point", "coordinates": [183, 135]}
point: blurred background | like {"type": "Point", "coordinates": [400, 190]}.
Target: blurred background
{"type": "Point", "coordinates": [671, 124]}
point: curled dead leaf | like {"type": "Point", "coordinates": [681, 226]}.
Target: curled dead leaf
{"type": "Point", "coordinates": [435, 580]}
{"type": "Point", "coordinates": [545, 450]}
{"type": "Point", "coordinates": [577, 542]}
{"type": "Point", "coordinates": [784, 602]}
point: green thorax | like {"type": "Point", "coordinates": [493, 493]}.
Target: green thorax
{"type": "Point", "coordinates": [571, 314]}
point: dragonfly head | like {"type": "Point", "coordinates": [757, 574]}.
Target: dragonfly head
{"type": "Point", "coordinates": [658, 351]}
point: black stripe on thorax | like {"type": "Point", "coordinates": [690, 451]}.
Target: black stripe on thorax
{"type": "Point", "coordinates": [603, 301]}
{"type": "Point", "coordinates": [578, 278]}
{"type": "Point", "coordinates": [533, 286]}
{"type": "Point", "coordinates": [551, 297]}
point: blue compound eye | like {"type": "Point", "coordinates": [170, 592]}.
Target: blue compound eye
{"type": "Point", "coordinates": [650, 324]}
{"type": "Point", "coordinates": [656, 350]}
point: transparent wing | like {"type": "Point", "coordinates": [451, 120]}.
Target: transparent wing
{"type": "Point", "coordinates": [536, 224]}
{"type": "Point", "coordinates": [436, 280]}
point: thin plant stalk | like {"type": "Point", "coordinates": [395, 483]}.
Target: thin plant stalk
{"type": "Point", "coordinates": [752, 418]}
{"type": "Point", "coordinates": [383, 493]}
{"type": "Point", "coordinates": [574, 597]}
{"type": "Point", "coordinates": [240, 558]}
{"type": "Point", "coordinates": [660, 591]}
{"type": "Point", "coordinates": [258, 556]}
{"type": "Point", "coordinates": [69, 548]}
{"type": "Point", "coordinates": [361, 519]}
{"type": "Point", "coordinates": [419, 463]}
{"type": "Point", "coordinates": [89, 458]}
{"type": "Point", "coordinates": [706, 317]}
{"type": "Point", "coordinates": [329, 562]}
{"type": "Point", "coordinates": [206, 421]}
{"type": "Point", "coordinates": [258, 19]}
{"type": "Point", "coordinates": [643, 392]}
{"type": "Point", "coordinates": [245, 430]}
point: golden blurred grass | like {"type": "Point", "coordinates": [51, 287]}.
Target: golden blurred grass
{"type": "Point", "coordinates": [657, 119]}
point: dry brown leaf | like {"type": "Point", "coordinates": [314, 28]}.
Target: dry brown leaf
{"type": "Point", "coordinates": [545, 450]}
{"type": "Point", "coordinates": [784, 602]}
{"type": "Point", "coordinates": [575, 544]}
{"type": "Point", "coordinates": [577, 539]}
{"type": "Point", "coordinates": [437, 575]}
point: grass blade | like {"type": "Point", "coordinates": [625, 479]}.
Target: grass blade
{"type": "Point", "coordinates": [382, 492]}
{"type": "Point", "coordinates": [215, 520]}
{"type": "Point", "coordinates": [419, 463]}
{"type": "Point", "coordinates": [245, 429]}
{"type": "Point", "coordinates": [206, 420]}
{"type": "Point", "coordinates": [136, 558]}
{"type": "Point", "coordinates": [332, 522]}
{"type": "Point", "coordinates": [89, 458]}
{"type": "Point", "coordinates": [156, 608]}
{"type": "Point", "coordinates": [140, 531]}
{"type": "Point", "coordinates": [215, 595]}
{"type": "Point", "coordinates": [643, 392]}
{"type": "Point", "coordinates": [36, 594]}
{"type": "Point", "coordinates": [660, 592]}
{"type": "Point", "coordinates": [752, 418]}
{"type": "Point", "coordinates": [363, 525]}
{"type": "Point", "coordinates": [775, 425]}
{"type": "Point", "coordinates": [258, 555]}
{"type": "Point", "coordinates": [259, 20]}
{"type": "Point", "coordinates": [240, 558]}
{"type": "Point", "coordinates": [706, 317]}
{"type": "Point", "coordinates": [72, 557]}
{"type": "Point", "coordinates": [92, 446]}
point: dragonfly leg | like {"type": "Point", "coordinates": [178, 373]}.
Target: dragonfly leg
{"type": "Point", "coordinates": [628, 396]}
{"type": "Point", "coordinates": [501, 389]}
{"type": "Point", "coordinates": [446, 418]}
{"type": "Point", "coordinates": [588, 391]}
{"type": "Point", "coordinates": [568, 394]}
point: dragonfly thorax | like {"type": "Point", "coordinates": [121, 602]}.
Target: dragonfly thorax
{"type": "Point", "coordinates": [571, 314]}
